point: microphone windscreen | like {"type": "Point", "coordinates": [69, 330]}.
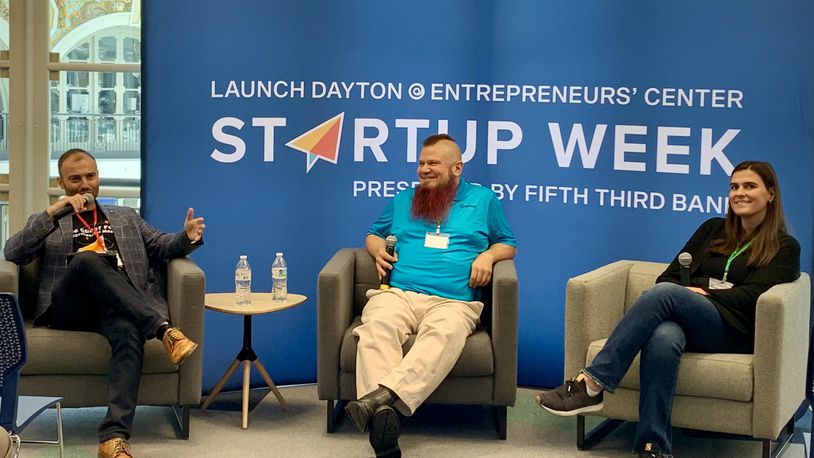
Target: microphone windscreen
{"type": "Point", "coordinates": [685, 259]}
{"type": "Point", "coordinates": [88, 198]}
{"type": "Point", "coordinates": [391, 240]}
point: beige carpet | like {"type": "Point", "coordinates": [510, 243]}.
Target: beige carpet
{"type": "Point", "coordinates": [435, 431]}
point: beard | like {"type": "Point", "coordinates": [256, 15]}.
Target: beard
{"type": "Point", "coordinates": [433, 203]}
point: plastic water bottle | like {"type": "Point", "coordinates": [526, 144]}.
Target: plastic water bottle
{"type": "Point", "coordinates": [243, 281]}
{"type": "Point", "coordinates": [279, 279]}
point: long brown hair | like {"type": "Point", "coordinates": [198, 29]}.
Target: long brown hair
{"type": "Point", "coordinates": [765, 241]}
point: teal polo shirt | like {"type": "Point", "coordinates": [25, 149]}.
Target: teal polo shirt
{"type": "Point", "coordinates": [475, 222]}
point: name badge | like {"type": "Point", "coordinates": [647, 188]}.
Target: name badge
{"type": "Point", "coordinates": [436, 240]}
{"type": "Point", "coordinates": [714, 283]}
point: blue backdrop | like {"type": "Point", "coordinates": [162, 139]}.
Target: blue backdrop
{"type": "Point", "coordinates": [607, 128]}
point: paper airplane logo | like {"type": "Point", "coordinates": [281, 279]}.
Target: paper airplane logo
{"type": "Point", "coordinates": [321, 142]}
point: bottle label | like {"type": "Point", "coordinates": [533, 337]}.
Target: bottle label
{"type": "Point", "coordinates": [279, 273]}
{"type": "Point", "coordinates": [243, 276]}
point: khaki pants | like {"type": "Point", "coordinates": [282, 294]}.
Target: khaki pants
{"type": "Point", "coordinates": [7, 446]}
{"type": "Point", "coordinates": [390, 316]}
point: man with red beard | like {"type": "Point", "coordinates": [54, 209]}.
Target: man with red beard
{"type": "Point", "coordinates": [450, 233]}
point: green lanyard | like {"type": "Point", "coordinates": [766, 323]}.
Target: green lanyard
{"type": "Point", "coordinates": [733, 256]}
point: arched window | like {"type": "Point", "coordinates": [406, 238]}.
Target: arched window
{"type": "Point", "coordinates": [90, 50]}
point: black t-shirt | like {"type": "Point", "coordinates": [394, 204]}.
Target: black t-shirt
{"type": "Point", "coordinates": [82, 236]}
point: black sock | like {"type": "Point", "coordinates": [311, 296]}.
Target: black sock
{"type": "Point", "coordinates": [159, 333]}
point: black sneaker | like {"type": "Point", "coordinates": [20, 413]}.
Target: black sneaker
{"type": "Point", "coordinates": [569, 399]}
{"type": "Point", "coordinates": [652, 451]}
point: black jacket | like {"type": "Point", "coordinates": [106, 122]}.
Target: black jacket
{"type": "Point", "coordinates": [736, 305]}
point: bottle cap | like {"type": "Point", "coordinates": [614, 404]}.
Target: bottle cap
{"type": "Point", "coordinates": [242, 256]}
{"type": "Point", "coordinates": [279, 253]}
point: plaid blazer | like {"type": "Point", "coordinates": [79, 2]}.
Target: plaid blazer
{"type": "Point", "coordinates": [137, 241]}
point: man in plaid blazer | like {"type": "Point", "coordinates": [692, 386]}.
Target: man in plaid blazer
{"type": "Point", "coordinates": [95, 277]}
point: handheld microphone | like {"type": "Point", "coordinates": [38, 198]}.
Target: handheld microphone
{"type": "Point", "coordinates": [684, 260]}
{"type": "Point", "coordinates": [390, 247]}
{"type": "Point", "coordinates": [65, 211]}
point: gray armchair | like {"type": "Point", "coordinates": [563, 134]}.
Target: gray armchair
{"type": "Point", "coordinates": [74, 364]}
{"type": "Point", "coordinates": [486, 372]}
{"type": "Point", "coordinates": [755, 395]}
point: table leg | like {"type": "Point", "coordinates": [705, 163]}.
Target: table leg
{"type": "Point", "coordinates": [220, 384]}
{"type": "Point", "coordinates": [270, 383]}
{"type": "Point", "coordinates": [247, 373]}
{"type": "Point", "coordinates": [247, 356]}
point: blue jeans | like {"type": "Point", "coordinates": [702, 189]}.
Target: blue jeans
{"type": "Point", "coordinates": [666, 320]}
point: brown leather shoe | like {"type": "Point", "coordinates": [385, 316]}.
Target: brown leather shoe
{"type": "Point", "coordinates": [177, 345]}
{"type": "Point", "coordinates": [115, 448]}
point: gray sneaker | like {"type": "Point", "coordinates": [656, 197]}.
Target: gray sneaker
{"type": "Point", "coordinates": [569, 399]}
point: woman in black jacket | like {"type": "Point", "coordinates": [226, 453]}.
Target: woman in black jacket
{"type": "Point", "coordinates": [734, 260]}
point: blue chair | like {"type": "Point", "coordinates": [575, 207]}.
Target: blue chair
{"type": "Point", "coordinates": [16, 412]}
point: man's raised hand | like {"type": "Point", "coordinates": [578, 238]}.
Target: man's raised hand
{"type": "Point", "coordinates": [194, 227]}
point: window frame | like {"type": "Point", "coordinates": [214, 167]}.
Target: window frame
{"type": "Point", "coordinates": [31, 67]}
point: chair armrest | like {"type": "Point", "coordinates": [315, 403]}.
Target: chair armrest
{"type": "Point", "coordinates": [334, 315]}
{"type": "Point", "coordinates": [594, 303]}
{"type": "Point", "coordinates": [186, 289]}
{"type": "Point", "coordinates": [504, 331]}
{"type": "Point", "coordinates": [9, 277]}
{"type": "Point", "coordinates": [781, 356]}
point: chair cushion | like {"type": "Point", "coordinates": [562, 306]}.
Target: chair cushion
{"type": "Point", "coordinates": [54, 352]}
{"type": "Point", "coordinates": [476, 360]}
{"type": "Point", "coordinates": [712, 375]}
